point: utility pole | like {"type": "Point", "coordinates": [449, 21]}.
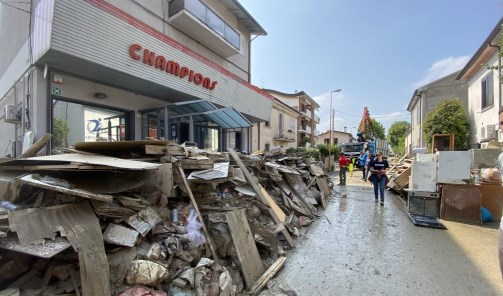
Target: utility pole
{"type": "Point", "coordinates": [332, 115]}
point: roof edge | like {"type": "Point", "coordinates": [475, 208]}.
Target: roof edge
{"type": "Point", "coordinates": [262, 32]}
{"type": "Point", "coordinates": [481, 49]}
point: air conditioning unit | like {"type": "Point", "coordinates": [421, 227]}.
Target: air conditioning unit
{"type": "Point", "coordinates": [491, 131]}
{"type": "Point", "coordinates": [12, 114]}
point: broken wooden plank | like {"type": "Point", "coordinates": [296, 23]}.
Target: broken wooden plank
{"type": "Point", "coordinates": [269, 274]}
{"type": "Point", "coordinates": [209, 240]}
{"type": "Point", "coordinates": [246, 249]}
{"type": "Point", "coordinates": [82, 228]}
{"type": "Point", "coordinates": [316, 170]}
{"type": "Point", "coordinates": [78, 160]}
{"type": "Point", "coordinates": [164, 179]}
{"type": "Point", "coordinates": [276, 213]}
{"type": "Point", "coordinates": [37, 146]}
{"type": "Point", "coordinates": [300, 189]}
{"type": "Point", "coordinates": [28, 179]}
{"type": "Point", "coordinates": [197, 164]}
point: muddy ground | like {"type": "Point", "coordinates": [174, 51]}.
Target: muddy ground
{"type": "Point", "coordinates": [373, 250]}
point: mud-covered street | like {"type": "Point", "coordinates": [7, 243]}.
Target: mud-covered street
{"type": "Point", "coordinates": [361, 248]}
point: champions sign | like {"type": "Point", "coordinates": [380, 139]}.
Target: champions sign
{"type": "Point", "coordinates": [138, 53]}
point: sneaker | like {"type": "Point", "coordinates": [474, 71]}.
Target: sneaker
{"type": "Point", "coordinates": [382, 203]}
{"type": "Point", "coordinates": [376, 200]}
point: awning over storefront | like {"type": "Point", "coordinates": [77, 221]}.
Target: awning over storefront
{"type": "Point", "coordinates": [202, 110]}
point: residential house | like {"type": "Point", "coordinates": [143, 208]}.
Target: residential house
{"type": "Point", "coordinates": [338, 137]}
{"type": "Point", "coordinates": [129, 70]}
{"type": "Point", "coordinates": [426, 98]}
{"type": "Point", "coordinates": [484, 89]}
{"type": "Point", "coordinates": [307, 106]}
{"type": "Point", "coordinates": [280, 130]}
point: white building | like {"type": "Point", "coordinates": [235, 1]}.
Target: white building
{"type": "Point", "coordinates": [426, 98]}
{"type": "Point", "coordinates": [126, 70]}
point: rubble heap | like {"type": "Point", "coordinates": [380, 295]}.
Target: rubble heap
{"type": "Point", "coordinates": [152, 218]}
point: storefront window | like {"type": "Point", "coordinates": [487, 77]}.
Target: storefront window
{"type": "Point", "coordinates": [153, 125]}
{"type": "Point", "coordinates": [73, 122]}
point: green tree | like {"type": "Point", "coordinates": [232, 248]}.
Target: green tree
{"type": "Point", "coordinates": [448, 118]}
{"type": "Point", "coordinates": [400, 148]}
{"type": "Point", "coordinates": [376, 129]}
{"type": "Point", "coordinates": [396, 131]}
{"type": "Point", "coordinates": [304, 141]}
{"type": "Point", "coordinates": [60, 133]}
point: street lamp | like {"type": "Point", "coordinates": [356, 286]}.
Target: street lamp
{"type": "Point", "coordinates": [331, 128]}
{"type": "Point", "coordinates": [352, 130]}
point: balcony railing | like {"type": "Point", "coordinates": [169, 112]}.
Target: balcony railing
{"type": "Point", "coordinates": [284, 135]}
{"type": "Point", "coordinates": [306, 113]}
{"type": "Point", "coordinates": [316, 119]}
{"type": "Point", "coordinates": [198, 20]}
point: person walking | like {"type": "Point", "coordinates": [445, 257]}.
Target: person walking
{"type": "Point", "coordinates": [378, 177]}
{"type": "Point", "coordinates": [351, 166]}
{"type": "Point", "coordinates": [363, 162]}
{"type": "Point", "coordinates": [370, 158]}
{"type": "Point", "coordinates": [343, 164]}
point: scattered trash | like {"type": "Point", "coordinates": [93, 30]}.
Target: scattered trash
{"type": "Point", "coordinates": [100, 221]}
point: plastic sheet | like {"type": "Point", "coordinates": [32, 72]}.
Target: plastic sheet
{"type": "Point", "coordinates": [196, 238]}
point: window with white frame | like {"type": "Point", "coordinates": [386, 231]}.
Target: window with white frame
{"type": "Point", "coordinates": [292, 124]}
{"type": "Point", "coordinates": [487, 88]}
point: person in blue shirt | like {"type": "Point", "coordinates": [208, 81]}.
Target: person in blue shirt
{"type": "Point", "coordinates": [378, 169]}
{"type": "Point", "coordinates": [362, 162]}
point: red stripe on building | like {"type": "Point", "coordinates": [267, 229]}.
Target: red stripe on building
{"type": "Point", "coordinates": [120, 14]}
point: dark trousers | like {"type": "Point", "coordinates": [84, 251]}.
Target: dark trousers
{"type": "Point", "coordinates": [342, 175]}
{"type": "Point", "coordinates": [379, 184]}
{"type": "Point", "coordinates": [363, 172]}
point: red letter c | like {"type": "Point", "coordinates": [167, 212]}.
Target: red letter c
{"type": "Point", "coordinates": [132, 51]}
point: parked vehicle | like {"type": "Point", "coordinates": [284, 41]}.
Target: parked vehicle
{"type": "Point", "coordinates": [365, 142]}
{"type": "Point", "coordinates": [352, 150]}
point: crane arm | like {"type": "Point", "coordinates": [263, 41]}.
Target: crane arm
{"type": "Point", "coordinates": [365, 119]}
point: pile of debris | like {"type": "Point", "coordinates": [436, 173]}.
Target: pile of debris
{"type": "Point", "coordinates": [151, 218]}
{"type": "Point", "coordinates": [400, 173]}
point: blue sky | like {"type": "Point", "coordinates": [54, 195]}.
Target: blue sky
{"type": "Point", "coordinates": [378, 52]}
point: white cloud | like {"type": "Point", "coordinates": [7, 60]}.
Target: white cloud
{"type": "Point", "coordinates": [393, 116]}
{"type": "Point", "coordinates": [442, 68]}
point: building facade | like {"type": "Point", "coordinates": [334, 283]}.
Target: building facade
{"type": "Point", "coordinates": [426, 98]}
{"type": "Point", "coordinates": [280, 130]}
{"type": "Point", "coordinates": [484, 90]}
{"type": "Point", "coordinates": [308, 120]}
{"type": "Point", "coordinates": [87, 70]}
{"type": "Point", "coordinates": [338, 137]}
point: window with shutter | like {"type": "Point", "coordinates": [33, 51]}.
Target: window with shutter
{"type": "Point", "coordinates": [487, 89]}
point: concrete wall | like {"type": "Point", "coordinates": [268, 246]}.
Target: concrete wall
{"type": "Point", "coordinates": [341, 137]}
{"type": "Point", "coordinates": [416, 125]}
{"type": "Point", "coordinates": [14, 28]}
{"type": "Point", "coordinates": [480, 118]}
{"type": "Point", "coordinates": [155, 14]}
{"type": "Point", "coordinates": [431, 95]}
{"type": "Point", "coordinates": [270, 134]}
